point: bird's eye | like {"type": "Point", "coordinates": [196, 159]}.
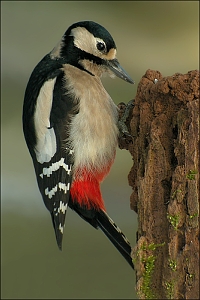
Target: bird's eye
{"type": "Point", "coordinates": [101, 46]}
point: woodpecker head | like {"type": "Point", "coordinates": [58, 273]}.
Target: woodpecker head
{"type": "Point", "coordinates": [89, 46]}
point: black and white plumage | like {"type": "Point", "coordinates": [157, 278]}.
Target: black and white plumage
{"type": "Point", "coordinates": [70, 127]}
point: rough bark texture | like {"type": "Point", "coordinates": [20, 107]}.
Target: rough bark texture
{"type": "Point", "coordinates": [165, 177]}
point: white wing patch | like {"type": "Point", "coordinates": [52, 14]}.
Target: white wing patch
{"type": "Point", "coordinates": [54, 167]}
{"type": "Point", "coordinates": [46, 139]}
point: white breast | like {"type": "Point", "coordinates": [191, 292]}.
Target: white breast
{"type": "Point", "coordinates": [93, 131]}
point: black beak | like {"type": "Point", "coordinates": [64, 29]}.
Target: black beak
{"type": "Point", "coordinates": [115, 67]}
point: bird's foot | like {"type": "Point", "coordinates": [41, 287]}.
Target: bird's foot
{"type": "Point", "coordinates": [125, 137]}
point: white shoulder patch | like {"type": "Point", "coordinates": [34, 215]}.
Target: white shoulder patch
{"type": "Point", "coordinates": [46, 139]}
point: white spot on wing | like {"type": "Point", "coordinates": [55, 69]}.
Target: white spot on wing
{"type": "Point", "coordinates": [61, 228]}
{"type": "Point", "coordinates": [46, 140]}
{"type": "Point", "coordinates": [62, 208]}
{"type": "Point", "coordinates": [54, 167]}
{"type": "Point", "coordinates": [60, 185]}
{"type": "Point", "coordinates": [63, 186]}
{"type": "Point", "coordinates": [52, 192]}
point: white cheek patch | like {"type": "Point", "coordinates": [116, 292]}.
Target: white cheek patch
{"type": "Point", "coordinates": [83, 39]}
{"type": "Point", "coordinates": [46, 139]}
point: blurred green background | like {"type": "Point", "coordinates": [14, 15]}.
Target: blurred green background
{"type": "Point", "coordinates": [159, 35]}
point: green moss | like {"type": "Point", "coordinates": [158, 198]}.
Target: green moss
{"type": "Point", "coordinates": [149, 264]}
{"type": "Point", "coordinates": [190, 279]}
{"type": "Point", "coordinates": [193, 216]}
{"type": "Point", "coordinates": [151, 246]}
{"type": "Point", "coordinates": [175, 193]}
{"type": "Point", "coordinates": [172, 264]}
{"type": "Point", "coordinates": [169, 289]}
{"type": "Point", "coordinates": [174, 220]}
{"type": "Point", "coordinates": [191, 175]}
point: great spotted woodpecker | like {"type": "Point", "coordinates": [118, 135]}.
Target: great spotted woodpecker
{"type": "Point", "coordinates": [70, 127]}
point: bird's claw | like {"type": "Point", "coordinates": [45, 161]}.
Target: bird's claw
{"type": "Point", "coordinates": [125, 138]}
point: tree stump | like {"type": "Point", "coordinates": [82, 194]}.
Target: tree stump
{"type": "Point", "coordinates": [165, 179]}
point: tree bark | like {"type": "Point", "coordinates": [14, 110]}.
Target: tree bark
{"type": "Point", "coordinates": [165, 179]}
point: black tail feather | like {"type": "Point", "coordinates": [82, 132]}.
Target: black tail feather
{"type": "Point", "coordinates": [58, 233]}
{"type": "Point", "coordinates": [99, 218]}
{"type": "Point", "coordinates": [115, 235]}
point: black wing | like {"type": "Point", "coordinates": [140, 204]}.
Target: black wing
{"type": "Point", "coordinates": [46, 116]}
